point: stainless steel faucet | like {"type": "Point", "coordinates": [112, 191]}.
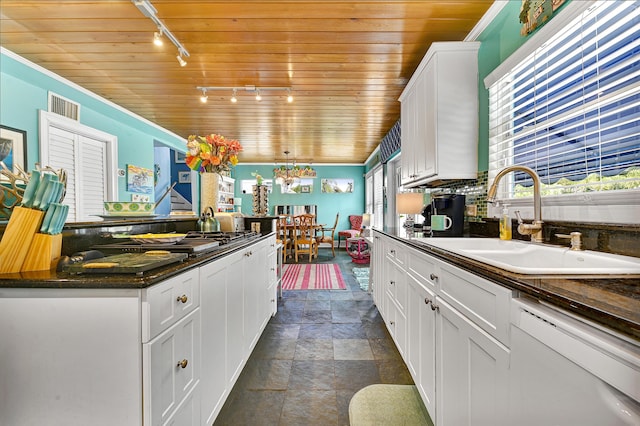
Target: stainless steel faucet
{"type": "Point", "coordinates": [534, 229]}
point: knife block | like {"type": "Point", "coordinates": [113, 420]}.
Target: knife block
{"type": "Point", "coordinates": [17, 238]}
{"type": "Point", "coordinates": [43, 253]}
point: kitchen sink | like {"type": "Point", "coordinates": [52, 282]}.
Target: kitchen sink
{"type": "Point", "coordinates": [536, 259]}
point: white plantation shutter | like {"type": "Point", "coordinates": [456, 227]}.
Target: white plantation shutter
{"type": "Point", "coordinates": [571, 109]}
{"type": "Point", "coordinates": [89, 157]}
{"type": "Point", "coordinates": [378, 198]}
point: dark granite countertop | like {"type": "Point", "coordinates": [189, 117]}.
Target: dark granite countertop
{"type": "Point", "coordinates": [53, 279]}
{"type": "Point", "coordinates": [612, 301]}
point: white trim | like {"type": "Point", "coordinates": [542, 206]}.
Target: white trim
{"type": "Point", "coordinates": [81, 89]}
{"type": "Point", "coordinates": [620, 207]}
{"type": "Point", "coordinates": [372, 154]}
{"type": "Point", "coordinates": [486, 19]}
{"type": "Point", "coordinates": [564, 17]}
{"type": "Point", "coordinates": [49, 119]}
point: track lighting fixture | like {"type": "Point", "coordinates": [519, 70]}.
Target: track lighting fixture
{"type": "Point", "coordinates": [257, 91]}
{"type": "Point", "coordinates": [157, 38]}
{"type": "Point", "coordinates": [149, 11]}
{"type": "Point", "coordinates": [204, 96]}
{"type": "Point", "coordinates": [181, 61]}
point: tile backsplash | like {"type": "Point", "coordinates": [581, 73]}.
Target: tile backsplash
{"type": "Point", "coordinates": [611, 238]}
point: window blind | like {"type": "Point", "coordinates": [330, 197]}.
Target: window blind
{"type": "Point", "coordinates": [571, 109]}
{"type": "Point", "coordinates": [378, 198]}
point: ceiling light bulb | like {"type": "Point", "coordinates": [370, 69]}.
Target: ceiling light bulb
{"type": "Point", "coordinates": [204, 97]}
{"type": "Point", "coordinates": [258, 96]}
{"type": "Point", "coordinates": [181, 61]}
{"type": "Point", "coordinates": [233, 97]}
{"type": "Point", "coordinates": [289, 96]}
{"type": "Point", "coordinates": [157, 38]}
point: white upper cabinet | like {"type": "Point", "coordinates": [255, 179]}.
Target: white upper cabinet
{"type": "Point", "coordinates": [439, 116]}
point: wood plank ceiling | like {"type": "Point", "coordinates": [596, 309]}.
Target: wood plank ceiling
{"type": "Point", "coordinates": [346, 63]}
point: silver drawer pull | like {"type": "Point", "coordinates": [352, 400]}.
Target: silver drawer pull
{"type": "Point", "coordinates": [392, 282]}
{"type": "Point", "coordinates": [183, 363]}
{"type": "Point", "coordinates": [433, 277]}
{"type": "Point", "coordinates": [182, 298]}
{"type": "Point", "coordinates": [435, 307]}
{"type": "Point", "coordinates": [426, 301]}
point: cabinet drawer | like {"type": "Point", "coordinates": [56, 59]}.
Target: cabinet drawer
{"type": "Point", "coordinates": [172, 368]}
{"type": "Point", "coordinates": [423, 268]}
{"type": "Point", "coordinates": [166, 303]}
{"type": "Point", "coordinates": [485, 303]}
{"type": "Point", "coordinates": [396, 252]}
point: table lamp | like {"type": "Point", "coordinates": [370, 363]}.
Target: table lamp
{"type": "Point", "coordinates": [409, 203]}
{"type": "Point", "coordinates": [367, 218]}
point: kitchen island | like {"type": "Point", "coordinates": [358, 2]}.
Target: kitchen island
{"type": "Point", "coordinates": [163, 347]}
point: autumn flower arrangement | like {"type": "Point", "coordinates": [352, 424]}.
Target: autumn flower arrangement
{"type": "Point", "coordinates": [212, 153]}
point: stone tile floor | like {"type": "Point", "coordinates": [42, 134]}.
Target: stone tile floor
{"type": "Point", "coordinates": [314, 355]}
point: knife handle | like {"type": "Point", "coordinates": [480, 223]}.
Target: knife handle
{"type": "Point", "coordinates": [30, 190]}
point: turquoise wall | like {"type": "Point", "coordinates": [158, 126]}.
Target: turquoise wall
{"type": "Point", "coordinates": [24, 91]}
{"type": "Point", "coordinates": [328, 203]}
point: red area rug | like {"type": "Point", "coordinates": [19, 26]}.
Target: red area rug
{"type": "Point", "coordinates": [326, 276]}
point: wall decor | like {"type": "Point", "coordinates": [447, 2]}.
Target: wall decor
{"type": "Point", "coordinates": [536, 13]}
{"type": "Point", "coordinates": [139, 179]}
{"type": "Point", "coordinates": [337, 185]}
{"type": "Point", "coordinates": [180, 157]}
{"type": "Point", "coordinates": [13, 149]}
{"type": "Point", "coordinates": [184, 177]}
{"type": "Point", "coordinates": [300, 186]}
{"type": "Point", "coordinates": [305, 189]}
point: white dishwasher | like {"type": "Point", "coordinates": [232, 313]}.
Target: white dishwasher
{"type": "Point", "coordinates": [565, 371]}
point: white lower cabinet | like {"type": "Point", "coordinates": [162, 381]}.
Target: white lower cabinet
{"type": "Point", "coordinates": [449, 326]}
{"type": "Point", "coordinates": [236, 305]}
{"type": "Point", "coordinates": [472, 379]}
{"type": "Point", "coordinates": [172, 370]}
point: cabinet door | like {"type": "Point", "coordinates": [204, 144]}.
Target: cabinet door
{"type": "Point", "coordinates": [421, 341]}
{"type": "Point", "coordinates": [173, 367]}
{"type": "Point", "coordinates": [213, 312]}
{"type": "Point", "coordinates": [408, 130]}
{"type": "Point", "coordinates": [472, 369]}
{"type": "Point", "coordinates": [256, 280]}
{"type": "Point", "coordinates": [378, 267]}
{"type": "Point", "coordinates": [429, 155]}
{"type": "Point", "coordinates": [235, 317]}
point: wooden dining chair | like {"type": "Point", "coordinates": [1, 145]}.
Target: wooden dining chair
{"type": "Point", "coordinates": [305, 241]}
{"type": "Point", "coordinates": [284, 234]}
{"type": "Point", "coordinates": [321, 238]}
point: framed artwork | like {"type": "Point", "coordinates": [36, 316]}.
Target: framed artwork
{"type": "Point", "coordinates": [337, 185]}
{"type": "Point", "coordinates": [139, 179]}
{"type": "Point", "coordinates": [184, 177]}
{"type": "Point", "coordinates": [13, 148]}
{"type": "Point", "coordinates": [305, 189]}
{"type": "Point", "coordinates": [180, 157]}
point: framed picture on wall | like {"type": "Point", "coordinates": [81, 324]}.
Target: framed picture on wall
{"type": "Point", "coordinates": [13, 148]}
{"type": "Point", "coordinates": [184, 177]}
{"type": "Point", "coordinates": [180, 157]}
{"type": "Point", "coordinates": [139, 179]}
{"type": "Point", "coordinates": [337, 185]}
{"type": "Point", "coordinates": [305, 189]}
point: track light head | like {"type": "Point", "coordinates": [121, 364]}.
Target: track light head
{"type": "Point", "coordinates": [233, 97]}
{"type": "Point", "coordinates": [181, 61]}
{"type": "Point", "coordinates": [258, 96]}
{"type": "Point", "coordinates": [204, 96]}
{"type": "Point", "coordinates": [157, 38]}
{"type": "Point", "coordinates": [289, 96]}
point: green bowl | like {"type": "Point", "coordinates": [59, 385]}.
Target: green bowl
{"type": "Point", "coordinates": [127, 208]}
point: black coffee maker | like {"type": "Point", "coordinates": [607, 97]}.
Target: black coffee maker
{"type": "Point", "coordinates": [451, 205]}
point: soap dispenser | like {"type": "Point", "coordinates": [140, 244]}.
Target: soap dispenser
{"type": "Point", "coordinates": [505, 224]}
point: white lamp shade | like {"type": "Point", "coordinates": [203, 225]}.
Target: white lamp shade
{"type": "Point", "coordinates": [409, 202]}
{"type": "Point", "coordinates": [367, 218]}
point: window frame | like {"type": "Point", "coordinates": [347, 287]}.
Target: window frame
{"type": "Point", "coordinates": [619, 206]}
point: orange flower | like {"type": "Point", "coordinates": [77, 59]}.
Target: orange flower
{"type": "Point", "coordinates": [212, 153]}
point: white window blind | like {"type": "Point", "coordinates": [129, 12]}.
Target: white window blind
{"type": "Point", "coordinates": [571, 109]}
{"type": "Point", "coordinates": [378, 198]}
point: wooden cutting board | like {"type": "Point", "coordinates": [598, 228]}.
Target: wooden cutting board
{"type": "Point", "coordinates": [126, 263]}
